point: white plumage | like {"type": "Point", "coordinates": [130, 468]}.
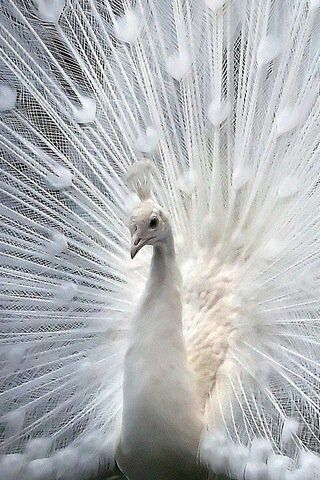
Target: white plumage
{"type": "Point", "coordinates": [161, 418]}
{"type": "Point", "coordinates": [216, 104]}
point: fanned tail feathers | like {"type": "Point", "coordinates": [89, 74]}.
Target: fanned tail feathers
{"type": "Point", "coordinates": [222, 99]}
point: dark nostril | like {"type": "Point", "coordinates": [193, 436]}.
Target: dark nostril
{"type": "Point", "coordinates": [137, 241]}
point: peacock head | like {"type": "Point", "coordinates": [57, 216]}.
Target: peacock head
{"type": "Point", "coordinates": [148, 226]}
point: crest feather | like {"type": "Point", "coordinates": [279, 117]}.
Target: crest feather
{"type": "Point", "coordinates": [139, 178]}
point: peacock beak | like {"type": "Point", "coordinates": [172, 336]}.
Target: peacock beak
{"type": "Point", "coordinates": [136, 244]}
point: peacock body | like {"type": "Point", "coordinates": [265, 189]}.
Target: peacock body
{"type": "Point", "coordinates": [215, 103]}
{"type": "Point", "coordinates": [161, 416]}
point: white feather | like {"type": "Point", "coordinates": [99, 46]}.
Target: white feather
{"type": "Point", "coordinates": [288, 186]}
{"type": "Point", "coordinates": [314, 4]}
{"type": "Point", "coordinates": [260, 450]}
{"type": "Point", "coordinates": [8, 97]}
{"type": "Point", "coordinates": [290, 427]}
{"type": "Point", "coordinates": [256, 471]}
{"type": "Point", "coordinates": [214, 5]}
{"type": "Point", "coordinates": [57, 244]}
{"type": "Point", "coordinates": [50, 11]}
{"type": "Point", "coordinates": [38, 448]}
{"type": "Point", "coordinates": [12, 465]}
{"type": "Point", "coordinates": [218, 112]}
{"type": "Point", "coordinates": [128, 27]}
{"type": "Point", "coordinates": [60, 178]}
{"type": "Point", "coordinates": [187, 182]}
{"type": "Point", "coordinates": [223, 99]}
{"type": "Point", "coordinates": [40, 469]}
{"type": "Point", "coordinates": [241, 176]}
{"type": "Point", "coordinates": [269, 48]}
{"type": "Point", "coordinates": [277, 466]}
{"type": "Point", "coordinates": [147, 142]}
{"type": "Point", "coordinates": [86, 113]}
{"type": "Point", "coordinates": [178, 64]}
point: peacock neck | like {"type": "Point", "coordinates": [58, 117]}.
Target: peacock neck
{"type": "Point", "coordinates": [163, 285]}
{"type": "Point", "coordinates": [163, 264]}
{"type": "Point", "coordinates": [165, 249]}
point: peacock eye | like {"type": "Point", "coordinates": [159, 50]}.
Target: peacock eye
{"type": "Point", "coordinates": [154, 222]}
